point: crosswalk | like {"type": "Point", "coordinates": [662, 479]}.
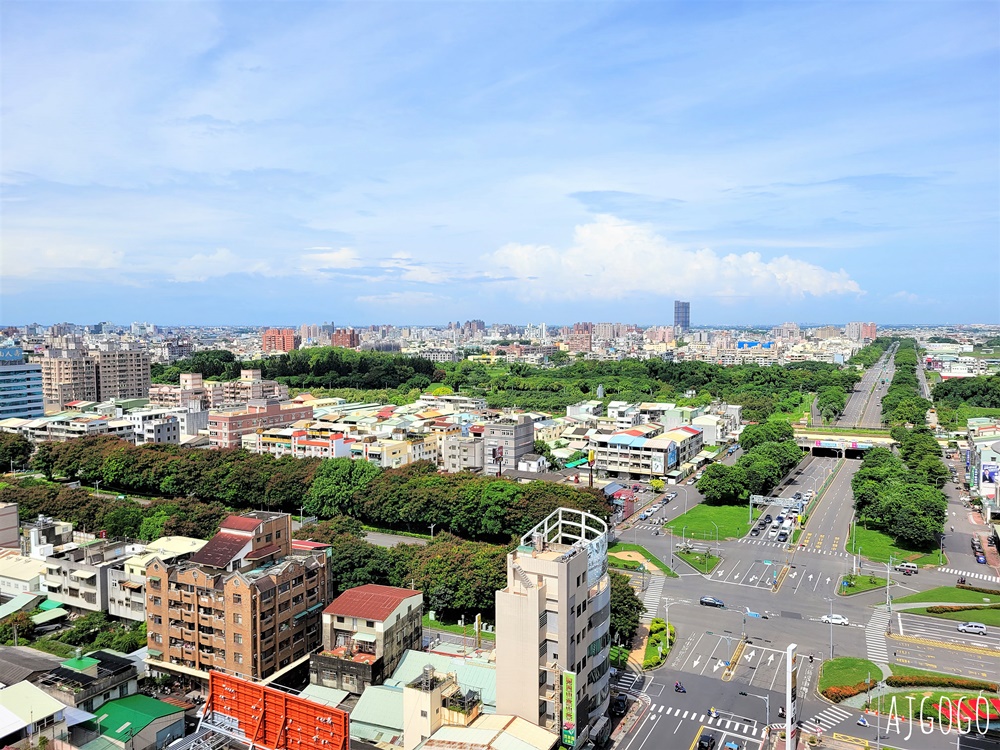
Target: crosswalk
{"type": "Point", "coordinates": [651, 597]}
{"type": "Point", "coordinates": [826, 719]}
{"type": "Point", "coordinates": [627, 680]}
{"type": "Point", "coordinates": [978, 576]}
{"type": "Point", "coordinates": [782, 545]}
{"type": "Point", "coordinates": [719, 722]}
{"type": "Point", "coordinates": [875, 635]}
{"type": "Point", "coordinates": [648, 527]}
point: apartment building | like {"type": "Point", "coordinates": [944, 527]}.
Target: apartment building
{"type": "Point", "coordinates": [389, 454]}
{"type": "Point", "coordinates": [579, 343]}
{"type": "Point", "coordinates": [453, 403]}
{"type": "Point", "coordinates": [250, 386]}
{"type": "Point", "coordinates": [21, 393]}
{"type": "Point", "coordinates": [78, 576]}
{"type": "Point", "coordinates": [191, 393]}
{"type": "Point", "coordinates": [366, 631]}
{"type": "Point", "coordinates": [226, 428]}
{"type": "Point", "coordinates": [623, 414]}
{"type": "Point", "coordinates": [462, 453]}
{"type": "Point", "coordinates": [505, 441]}
{"type": "Point", "coordinates": [122, 373]}
{"type": "Point", "coordinates": [298, 442]}
{"type": "Point", "coordinates": [67, 375]}
{"type": "Point", "coordinates": [586, 410]}
{"type": "Point", "coordinates": [9, 529]}
{"type": "Point", "coordinates": [553, 622]}
{"type": "Point", "coordinates": [281, 340]}
{"type": "Point", "coordinates": [247, 604]}
{"type": "Point", "coordinates": [346, 337]}
{"type": "Point", "coordinates": [644, 451]}
{"type": "Point", "coordinates": [127, 583]}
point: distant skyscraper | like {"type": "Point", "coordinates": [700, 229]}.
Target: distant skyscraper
{"type": "Point", "coordinates": [20, 385]}
{"type": "Point", "coordinates": [682, 315]}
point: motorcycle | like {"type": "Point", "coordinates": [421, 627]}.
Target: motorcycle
{"type": "Point", "coordinates": [678, 688]}
{"type": "Point", "coordinates": [862, 722]}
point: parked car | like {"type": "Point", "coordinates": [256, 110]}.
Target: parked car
{"type": "Point", "coordinates": [620, 705]}
{"type": "Point", "coordinates": [981, 559]}
{"type": "Point", "coordinates": [671, 495]}
{"type": "Point", "coordinates": [690, 481]}
{"type": "Point", "coordinates": [711, 601]}
{"type": "Point", "coordinates": [835, 619]}
{"type": "Point", "coordinates": [706, 742]}
{"type": "Point", "coordinates": [755, 531]}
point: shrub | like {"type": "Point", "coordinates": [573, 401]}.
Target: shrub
{"type": "Point", "coordinates": [657, 626]}
{"type": "Point", "coordinates": [943, 608]}
{"type": "Point", "coordinates": [838, 693]}
{"type": "Point", "coordinates": [942, 681]}
{"type": "Point", "coordinates": [980, 589]}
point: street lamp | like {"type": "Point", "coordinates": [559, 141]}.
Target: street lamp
{"type": "Point", "coordinates": [716, 532]}
{"type": "Point", "coordinates": [97, 486]}
{"type": "Point", "coordinates": [767, 704]}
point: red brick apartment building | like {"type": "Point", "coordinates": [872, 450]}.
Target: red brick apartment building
{"type": "Point", "coordinates": [226, 428]}
{"type": "Point", "coordinates": [281, 340]}
{"type": "Point", "coordinates": [249, 603]}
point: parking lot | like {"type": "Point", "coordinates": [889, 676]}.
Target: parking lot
{"type": "Point", "coordinates": [932, 628]}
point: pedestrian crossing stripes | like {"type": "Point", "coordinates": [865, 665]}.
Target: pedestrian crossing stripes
{"type": "Point", "coordinates": [826, 719]}
{"type": "Point", "coordinates": [627, 680]}
{"type": "Point", "coordinates": [875, 636]}
{"type": "Point", "coordinates": [719, 722]}
{"type": "Point", "coordinates": [781, 545]}
{"type": "Point", "coordinates": [651, 597]}
{"type": "Point", "coordinates": [980, 576]}
{"type": "Point", "coordinates": [648, 527]}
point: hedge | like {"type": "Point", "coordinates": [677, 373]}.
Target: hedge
{"type": "Point", "coordinates": [943, 681]}
{"type": "Point", "coordinates": [980, 589]}
{"type": "Point", "coordinates": [838, 693]}
{"type": "Point", "coordinates": [938, 609]}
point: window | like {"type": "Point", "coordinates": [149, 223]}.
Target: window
{"type": "Point", "coordinates": [423, 714]}
{"type": "Point", "coordinates": [339, 618]}
{"type": "Point", "coordinates": [237, 638]}
{"type": "Point", "coordinates": [237, 618]}
{"type": "Point", "coordinates": [238, 657]}
{"type": "Point", "coordinates": [369, 623]}
{"type": "Point", "coordinates": [237, 598]}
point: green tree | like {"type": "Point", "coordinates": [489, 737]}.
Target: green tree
{"type": "Point", "coordinates": [15, 451]}
{"type": "Point", "coordinates": [44, 459]}
{"type": "Point", "coordinates": [721, 484]}
{"type": "Point", "coordinates": [626, 610]}
{"type": "Point", "coordinates": [21, 621]}
{"type": "Point", "coordinates": [335, 484]}
{"type": "Point", "coordinates": [123, 520]}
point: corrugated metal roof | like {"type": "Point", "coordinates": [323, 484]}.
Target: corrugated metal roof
{"type": "Point", "coordinates": [479, 676]}
{"type": "Point", "coordinates": [370, 601]}
{"type": "Point", "coordinates": [379, 707]}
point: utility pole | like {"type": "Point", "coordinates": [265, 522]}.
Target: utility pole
{"type": "Point", "coordinates": [432, 529]}
{"type": "Point", "coordinates": [767, 704]}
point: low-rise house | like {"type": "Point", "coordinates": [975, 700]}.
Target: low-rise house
{"type": "Point", "coordinates": [88, 681]}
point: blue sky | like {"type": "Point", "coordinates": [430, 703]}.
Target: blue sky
{"type": "Point", "coordinates": [240, 162]}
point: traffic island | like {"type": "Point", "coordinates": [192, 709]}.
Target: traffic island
{"type": "Point", "coordinates": [703, 562]}
{"type": "Point", "coordinates": [852, 584]}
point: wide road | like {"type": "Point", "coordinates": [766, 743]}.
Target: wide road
{"type": "Point", "coordinates": [856, 409]}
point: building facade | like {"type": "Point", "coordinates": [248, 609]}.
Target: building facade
{"type": "Point", "coordinates": [280, 340]}
{"type": "Point", "coordinates": [553, 627]}
{"type": "Point", "coordinates": [505, 441]}
{"type": "Point", "coordinates": [21, 392]}
{"type": "Point", "coordinates": [682, 316]}
{"type": "Point", "coordinates": [462, 453]}
{"type": "Point", "coordinates": [366, 630]}
{"type": "Point", "coordinates": [227, 428]}
{"type": "Point", "coordinates": [246, 604]}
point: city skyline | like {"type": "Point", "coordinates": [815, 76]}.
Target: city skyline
{"type": "Point", "coordinates": [206, 163]}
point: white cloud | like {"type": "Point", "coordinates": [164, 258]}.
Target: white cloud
{"type": "Point", "coordinates": [36, 253]}
{"type": "Point", "coordinates": [903, 296]}
{"type": "Point", "coordinates": [223, 262]}
{"type": "Point", "coordinates": [326, 258]}
{"type": "Point", "coordinates": [615, 258]}
{"type": "Point", "coordinates": [399, 298]}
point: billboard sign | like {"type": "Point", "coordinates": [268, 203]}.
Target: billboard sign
{"type": "Point", "coordinates": [597, 559]}
{"type": "Point", "coordinates": [672, 455]}
{"type": "Point", "coordinates": [591, 456]}
{"type": "Point", "coordinates": [656, 463]}
{"type": "Point", "coordinates": [11, 354]}
{"type": "Point", "coordinates": [989, 473]}
{"type": "Point", "coordinates": [569, 709]}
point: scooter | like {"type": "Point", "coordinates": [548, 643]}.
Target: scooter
{"type": "Point", "coordinates": [862, 722]}
{"type": "Point", "coordinates": [678, 688]}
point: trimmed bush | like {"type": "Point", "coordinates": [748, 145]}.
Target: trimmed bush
{"type": "Point", "coordinates": [943, 608]}
{"type": "Point", "coordinates": [944, 681]}
{"type": "Point", "coordinates": [980, 589]}
{"type": "Point", "coordinates": [838, 693]}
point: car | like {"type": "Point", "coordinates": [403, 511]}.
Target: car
{"type": "Point", "coordinates": [809, 494]}
{"type": "Point", "coordinates": [643, 516]}
{"type": "Point", "coordinates": [690, 481]}
{"type": "Point", "coordinates": [755, 531]}
{"type": "Point", "coordinates": [655, 508]}
{"type": "Point", "coordinates": [706, 742]}
{"type": "Point", "coordinates": [773, 533]}
{"type": "Point", "coordinates": [620, 705]}
{"type": "Point", "coordinates": [981, 559]}
{"type": "Point", "coordinates": [976, 628]}
{"type": "Point", "coordinates": [780, 518]}
{"type": "Point", "coordinates": [835, 620]}
{"type": "Point", "coordinates": [711, 601]}
{"type": "Point", "coordinates": [671, 495]}
{"type": "Point", "coordinates": [767, 518]}
{"type": "Point", "coordinates": [797, 496]}
{"type": "Point", "coordinates": [699, 475]}
{"type": "Point", "coordinates": [783, 536]}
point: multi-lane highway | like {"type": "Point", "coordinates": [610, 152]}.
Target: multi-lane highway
{"type": "Point", "coordinates": [864, 407]}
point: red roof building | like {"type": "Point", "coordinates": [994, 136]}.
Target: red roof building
{"type": "Point", "coordinates": [369, 602]}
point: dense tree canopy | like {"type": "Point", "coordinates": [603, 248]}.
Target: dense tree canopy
{"type": "Point", "coordinates": [902, 403]}
{"type": "Point", "coordinates": [14, 451]}
{"type": "Point", "coordinates": [982, 391]}
{"type": "Point", "coordinates": [626, 609]}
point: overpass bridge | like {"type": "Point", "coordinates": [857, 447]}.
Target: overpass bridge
{"type": "Point", "coordinates": [842, 443]}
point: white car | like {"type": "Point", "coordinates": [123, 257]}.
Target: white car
{"type": "Point", "coordinates": [835, 620]}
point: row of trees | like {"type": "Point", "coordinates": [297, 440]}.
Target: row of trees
{"type": "Point", "coordinates": [831, 401]}
{"type": "Point", "coordinates": [982, 391]}
{"type": "Point", "coordinates": [869, 355]}
{"type": "Point", "coordinates": [902, 403]}
{"type": "Point", "coordinates": [458, 577]}
{"type": "Point", "coordinates": [316, 367]}
{"type": "Point", "coordinates": [410, 498]}
{"type": "Point", "coordinates": [771, 453]}
{"type": "Point", "coordinates": [890, 495]}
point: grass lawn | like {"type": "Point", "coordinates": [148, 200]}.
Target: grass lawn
{"type": "Point", "coordinates": [861, 583]}
{"type": "Point", "coordinates": [899, 703]}
{"type": "Point", "coordinates": [950, 594]}
{"type": "Point", "coordinates": [618, 656]}
{"type": "Point", "coordinates": [697, 522]}
{"type": "Point", "coordinates": [795, 536]}
{"type": "Point", "coordinates": [468, 630]}
{"type": "Point", "coordinates": [622, 564]}
{"type": "Point", "coordinates": [878, 546]}
{"type": "Point", "coordinates": [797, 413]}
{"type": "Point", "coordinates": [700, 561]}
{"type": "Point", "coordinates": [989, 617]}
{"type": "Point", "coordinates": [847, 670]}
{"type": "Point", "coordinates": [653, 559]}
